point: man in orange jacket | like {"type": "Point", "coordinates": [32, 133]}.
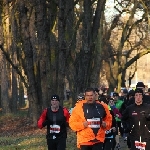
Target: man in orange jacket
{"type": "Point", "coordinates": [90, 119]}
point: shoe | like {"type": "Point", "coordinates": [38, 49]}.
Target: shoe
{"type": "Point", "coordinates": [118, 146]}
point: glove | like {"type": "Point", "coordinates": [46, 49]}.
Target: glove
{"type": "Point", "coordinates": [45, 123]}
{"type": "Point", "coordinates": [143, 113]}
{"type": "Point", "coordinates": [147, 115]}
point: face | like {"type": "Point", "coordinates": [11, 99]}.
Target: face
{"type": "Point", "coordinates": [111, 102]}
{"type": "Point", "coordinates": [54, 103]}
{"type": "Point", "coordinates": [138, 98]}
{"type": "Point", "coordinates": [90, 97]}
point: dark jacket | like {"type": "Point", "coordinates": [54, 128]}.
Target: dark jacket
{"type": "Point", "coordinates": [137, 119]}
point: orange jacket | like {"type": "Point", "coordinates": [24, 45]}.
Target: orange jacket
{"type": "Point", "coordinates": [84, 135]}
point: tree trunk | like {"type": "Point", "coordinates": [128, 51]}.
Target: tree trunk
{"type": "Point", "coordinates": [4, 86]}
{"type": "Point", "coordinates": [29, 55]}
{"type": "Point", "coordinates": [62, 49]}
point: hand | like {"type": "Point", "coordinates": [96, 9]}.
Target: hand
{"type": "Point", "coordinates": [103, 124]}
{"type": "Point", "coordinates": [117, 115]}
{"type": "Point", "coordinates": [85, 124]}
{"type": "Point", "coordinates": [142, 112]}
{"type": "Point", "coordinates": [45, 123]}
{"type": "Point", "coordinates": [147, 115]}
{"type": "Point", "coordinates": [114, 129]}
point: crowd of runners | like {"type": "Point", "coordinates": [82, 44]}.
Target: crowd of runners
{"type": "Point", "coordinates": [99, 120]}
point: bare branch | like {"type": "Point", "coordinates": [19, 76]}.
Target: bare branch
{"type": "Point", "coordinates": [14, 67]}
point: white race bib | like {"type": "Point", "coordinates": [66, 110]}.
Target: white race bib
{"type": "Point", "coordinates": [54, 128]}
{"type": "Point", "coordinates": [140, 145]}
{"type": "Point", "coordinates": [94, 123]}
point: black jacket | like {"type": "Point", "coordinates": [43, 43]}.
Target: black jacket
{"type": "Point", "coordinates": [137, 120]}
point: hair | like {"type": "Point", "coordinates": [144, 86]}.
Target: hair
{"type": "Point", "coordinates": [111, 99]}
{"type": "Point", "coordinates": [89, 90]}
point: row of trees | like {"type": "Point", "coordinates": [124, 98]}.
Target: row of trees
{"type": "Point", "coordinates": [44, 42]}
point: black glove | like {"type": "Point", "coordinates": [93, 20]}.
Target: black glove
{"type": "Point", "coordinates": [147, 115]}
{"type": "Point", "coordinates": [143, 113]}
{"type": "Point", "coordinates": [45, 123]}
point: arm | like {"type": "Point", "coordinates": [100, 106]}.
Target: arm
{"type": "Point", "coordinates": [118, 114]}
{"type": "Point", "coordinates": [113, 119]}
{"type": "Point", "coordinates": [75, 120]}
{"type": "Point", "coordinates": [67, 115]}
{"type": "Point", "coordinates": [124, 119]}
{"type": "Point", "coordinates": [42, 120]}
{"type": "Point", "coordinates": [108, 117]}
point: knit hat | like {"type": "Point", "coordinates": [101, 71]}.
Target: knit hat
{"type": "Point", "coordinates": [140, 84]}
{"type": "Point", "coordinates": [55, 97]}
{"type": "Point", "coordinates": [131, 93]}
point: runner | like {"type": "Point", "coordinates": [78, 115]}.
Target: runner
{"type": "Point", "coordinates": [90, 119]}
{"type": "Point", "coordinates": [137, 118]}
{"type": "Point", "coordinates": [56, 119]}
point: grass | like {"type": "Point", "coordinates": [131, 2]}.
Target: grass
{"type": "Point", "coordinates": [23, 143]}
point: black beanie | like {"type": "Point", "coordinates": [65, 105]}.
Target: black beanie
{"type": "Point", "coordinates": [55, 97]}
{"type": "Point", "coordinates": [140, 84]}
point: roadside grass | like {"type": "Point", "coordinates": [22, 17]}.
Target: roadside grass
{"type": "Point", "coordinates": [23, 143]}
{"type": "Point", "coordinates": [33, 142]}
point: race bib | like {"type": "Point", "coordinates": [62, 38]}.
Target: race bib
{"type": "Point", "coordinates": [94, 123]}
{"type": "Point", "coordinates": [140, 145]}
{"type": "Point", "coordinates": [54, 128]}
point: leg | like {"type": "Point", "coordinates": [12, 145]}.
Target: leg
{"type": "Point", "coordinates": [114, 143]}
{"type": "Point", "coordinates": [128, 142]}
{"type": "Point", "coordinates": [98, 146]}
{"type": "Point", "coordinates": [120, 128]}
{"type": "Point", "coordinates": [108, 145]}
{"type": "Point", "coordinates": [61, 144]}
{"type": "Point", "coordinates": [51, 144]}
{"type": "Point", "coordinates": [86, 147]}
{"type": "Point", "coordinates": [147, 146]}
